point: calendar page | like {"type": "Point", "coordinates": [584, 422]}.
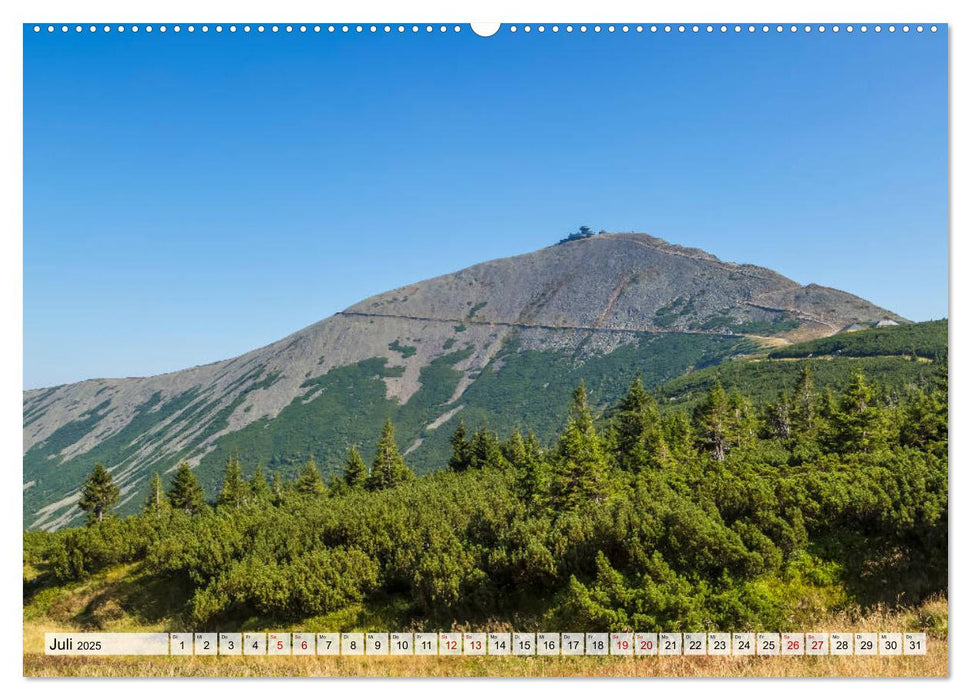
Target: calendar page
{"type": "Point", "coordinates": [547, 348]}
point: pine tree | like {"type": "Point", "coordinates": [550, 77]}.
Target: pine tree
{"type": "Point", "coordinates": [741, 424]}
{"type": "Point", "coordinates": [712, 422]}
{"type": "Point", "coordinates": [532, 479]}
{"type": "Point", "coordinates": [389, 468]}
{"type": "Point", "coordinates": [778, 417]}
{"type": "Point", "coordinates": [258, 488]}
{"type": "Point", "coordinates": [860, 425]}
{"type": "Point", "coordinates": [637, 431]}
{"type": "Point", "coordinates": [514, 449]}
{"type": "Point", "coordinates": [308, 480]}
{"type": "Point", "coordinates": [925, 423]}
{"type": "Point", "coordinates": [234, 491]}
{"type": "Point", "coordinates": [155, 503]}
{"type": "Point", "coordinates": [803, 404]}
{"type": "Point", "coordinates": [461, 457]}
{"type": "Point", "coordinates": [278, 489]}
{"type": "Point", "coordinates": [581, 468]}
{"type": "Point", "coordinates": [485, 450]}
{"type": "Point", "coordinates": [185, 494]}
{"type": "Point", "coordinates": [678, 433]}
{"type": "Point", "coordinates": [98, 494]}
{"type": "Point", "coordinates": [355, 470]}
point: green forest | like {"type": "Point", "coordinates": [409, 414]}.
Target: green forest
{"type": "Point", "coordinates": [731, 499]}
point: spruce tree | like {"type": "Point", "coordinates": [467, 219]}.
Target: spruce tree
{"type": "Point", "coordinates": [98, 494]}
{"type": "Point", "coordinates": [308, 480]}
{"type": "Point", "coordinates": [355, 470]}
{"type": "Point", "coordinates": [804, 403]}
{"type": "Point", "coordinates": [741, 424]}
{"type": "Point", "coordinates": [234, 491]}
{"type": "Point", "coordinates": [155, 503]}
{"type": "Point", "coordinates": [461, 455]}
{"type": "Point", "coordinates": [778, 417]}
{"type": "Point", "coordinates": [860, 425]}
{"type": "Point", "coordinates": [514, 449]}
{"type": "Point", "coordinates": [258, 488]}
{"type": "Point", "coordinates": [712, 422]}
{"type": "Point", "coordinates": [532, 479]}
{"type": "Point", "coordinates": [185, 494]}
{"type": "Point", "coordinates": [581, 471]}
{"type": "Point", "coordinates": [389, 468]}
{"type": "Point", "coordinates": [485, 450]}
{"type": "Point", "coordinates": [278, 489]}
{"type": "Point", "coordinates": [637, 432]}
{"type": "Point", "coordinates": [678, 433]}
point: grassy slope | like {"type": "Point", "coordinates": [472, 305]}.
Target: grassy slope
{"type": "Point", "coordinates": [927, 339]}
{"type": "Point", "coordinates": [934, 664]}
{"type": "Point", "coordinates": [886, 355]}
{"type": "Point", "coordinates": [124, 600]}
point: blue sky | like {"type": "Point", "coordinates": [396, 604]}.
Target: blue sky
{"type": "Point", "coordinates": [189, 197]}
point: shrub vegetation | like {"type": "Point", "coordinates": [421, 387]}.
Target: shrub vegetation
{"type": "Point", "coordinates": [727, 514]}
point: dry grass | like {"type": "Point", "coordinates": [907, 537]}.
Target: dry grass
{"type": "Point", "coordinates": [930, 617]}
{"type": "Point", "coordinates": [934, 664]}
{"type": "Point", "coordinates": [93, 606]}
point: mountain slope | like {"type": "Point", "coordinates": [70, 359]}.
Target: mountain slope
{"type": "Point", "coordinates": [890, 358]}
{"type": "Point", "coordinates": [494, 342]}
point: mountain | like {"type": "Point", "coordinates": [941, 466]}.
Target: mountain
{"type": "Point", "coordinates": [497, 343]}
{"type": "Point", "coordinates": [891, 358]}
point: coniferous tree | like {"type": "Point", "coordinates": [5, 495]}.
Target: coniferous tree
{"type": "Point", "coordinates": [532, 482]}
{"type": "Point", "coordinates": [778, 417]}
{"type": "Point", "coordinates": [859, 422]}
{"type": "Point", "coordinates": [258, 488]}
{"type": "Point", "coordinates": [185, 494]}
{"type": "Point", "coordinates": [827, 417]}
{"type": "Point", "coordinates": [98, 494]}
{"type": "Point", "coordinates": [581, 467]}
{"type": "Point", "coordinates": [804, 403]}
{"type": "Point", "coordinates": [461, 457]}
{"type": "Point", "coordinates": [485, 450]}
{"type": "Point", "coordinates": [637, 431]}
{"type": "Point", "coordinates": [741, 424]}
{"type": "Point", "coordinates": [389, 468]}
{"type": "Point", "coordinates": [155, 503]}
{"type": "Point", "coordinates": [277, 489]}
{"type": "Point", "coordinates": [514, 449]}
{"type": "Point", "coordinates": [308, 480]}
{"type": "Point", "coordinates": [712, 422]}
{"type": "Point", "coordinates": [925, 417]}
{"type": "Point", "coordinates": [355, 470]}
{"type": "Point", "coordinates": [678, 433]}
{"type": "Point", "coordinates": [234, 490]}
